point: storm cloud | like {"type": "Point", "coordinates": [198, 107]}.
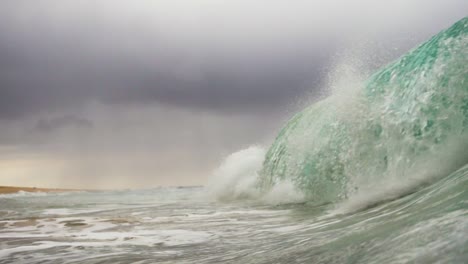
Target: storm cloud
{"type": "Point", "coordinates": [83, 82]}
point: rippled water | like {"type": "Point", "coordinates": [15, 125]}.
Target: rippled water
{"type": "Point", "coordinates": [184, 225]}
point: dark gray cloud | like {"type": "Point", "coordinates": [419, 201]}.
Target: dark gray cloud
{"type": "Point", "coordinates": [44, 78]}
{"type": "Point", "coordinates": [228, 57]}
{"type": "Point", "coordinates": [66, 121]}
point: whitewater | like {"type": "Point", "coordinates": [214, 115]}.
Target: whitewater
{"type": "Point", "coordinates": [377, 172]}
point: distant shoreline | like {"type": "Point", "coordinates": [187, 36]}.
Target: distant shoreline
{"type": "Point", "coordinates": [14, 189]}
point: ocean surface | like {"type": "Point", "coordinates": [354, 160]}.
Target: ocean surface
{"type": "Point", "coordinates": [181, 225]}
{"type": "Point", "coordinates": [375, 173]}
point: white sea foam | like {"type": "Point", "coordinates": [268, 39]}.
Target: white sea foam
{"type": "Point", "coordinates": [92, 232]}
{"type": "Point", "coordinates": [283, 192]}
{"type": "Point", "coordinates": [237, 178]}
{"type": "Point", "coordinates": [237, 175]}
{"type": "Point", "coordinates": [23, 194]}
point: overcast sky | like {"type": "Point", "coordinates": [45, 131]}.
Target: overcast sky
{"type": "Point", "coordinates": [141, 93]}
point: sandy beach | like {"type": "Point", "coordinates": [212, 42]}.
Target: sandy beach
{"type": "Point", "coordinates": [13, 189]}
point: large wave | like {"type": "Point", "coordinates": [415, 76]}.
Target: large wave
{"type": "Point", "coordinates": [404, 127]}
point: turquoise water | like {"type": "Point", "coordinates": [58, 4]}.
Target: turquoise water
{"type": "Point", "coordinates": [375, 173]}
{"type": "Point", "coordinates": [407, 123]}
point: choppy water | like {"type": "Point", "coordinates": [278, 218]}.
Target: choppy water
{"type": "Point", "coordinates": [375, 174]}
{"type": "Point", "coordinates": [182, 225]}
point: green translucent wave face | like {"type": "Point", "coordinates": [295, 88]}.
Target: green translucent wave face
{"type": "Point", "coordinates": [410, 116]}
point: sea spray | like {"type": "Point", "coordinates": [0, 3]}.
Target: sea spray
{"type": "Point", "coordinates": [237, 175]}
{"type": "Point", "coordinates": [237, 179]}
